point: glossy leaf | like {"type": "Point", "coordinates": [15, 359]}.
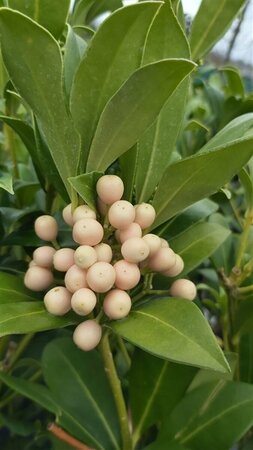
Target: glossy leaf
{"type": "Point", "coordinates": [156, 386]}
{"type": "Point", "coordinates": [74, 50]}
{"type": "Point", "coordinates": [85, 186]}
{"type": "Point", "coordinates": [29, 317]}
{"type": "Point", "coordinates": [133, 109]}
{"type": "Point", "coordinates": [201, 419]}
{"type": "Point", "coordinates": [12, 289]}
{"type": "Point", "coordinates": [198, 243]}
{"type": "Point", "coordinates": [35, 67]}
{"type": "Point", "coordinates": [6, 182]}
{"type": "Point", "coordinates": [207, 29]}
{"type": "Point", "coordinates": [173, 329]}
{"type": "Point", "coordinates": [165, 40]}
{"type": "Point", "coordinates": [87, 395]}
{"type": "Point", "coordinates": [101, 72]}
{"type": "Point", "coordinates": [189, 180]}
{"type": "Point", "coordinates": [51, 14]}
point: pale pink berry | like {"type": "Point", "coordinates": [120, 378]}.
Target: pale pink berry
{"type": "Point", "coordinates": [32, 263]}
{"type": "Point", "coordinates": [38, 278]}
{"type": "Point", "coordinates": [46, 228]}
{"type": "Point", "coordinates": [58, 301]}
{"type": "Point", "coordinates": [117, 304]}
{"type": "Point", "coordinates": [175, 270]}
{"type": "Point", "coordinates": [75, 279]}
{"type": "Point", "coordinates": [144, 215]}
{"type": "Point", "coordinates": [63, 259]}
{"type": "Point", "coordinates": [104, 252]}
{"type": "Point", "coordinates": [127, 274]}
{"type": "Point", "coordinates": [102, 207]}
{"type": "Point", "coordinates": [110, 188]}
{"type": "Point", "coordinates": [164, 243]}
{"type": "Point", "coordinates": [153, 242]}
{"type": "Point", "coordinates": [134, 230]}
{"type": "Point", "coordinates": [67, 215]}
{"type": "Point", "coordinates": [87, 335]}
{"type": "Point", "coordinates": [121, 214]}
{"type": "Point", "coordinates": [163, 260]}
{"type": "Point", "coordinates": [85, 256]}
{"type": "Point", "coordinates": [135, 250]}
{"type": "Point", "coordinates": [88, 232]}
{"type": "Point", "coordinates": [101, 277]}
{"type": "Point", "coordinates": [184, 289]}
{"type": "Point", "coordinates": [83, 212]}
{"type": "Point", "coordinates": [43, 256]}
{"type": "Point", "coordinates": [83, 301]}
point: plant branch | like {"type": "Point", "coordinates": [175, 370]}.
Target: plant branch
{"type": "Point", "coordinates": [65, 437]}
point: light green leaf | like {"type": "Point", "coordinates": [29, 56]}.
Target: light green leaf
{"type": "Point", "coordinates": [198, 243]}
{"type": "Point", "coordinates": [87, 395]}
{"type": "Point", "coordinates": [6, 182]}
{"type": "Point", "coordinates": [12, 289]}
{"type": "Point", "coordinates": [133, 109]}
{"type": "Point", "coordinates": [51, 14]}
{"type": "Point", "coordinates": [196, 177]}
{"type": "Point", "coordinates": [101, 73]}
{"type": "Point", "coordinates": [85, 186]}
{"type": "Point", "coordinates": [156, 386]}
{"type": "Point", "coordinates": [211, 22]}
{"type": "Point", "coordinates": [29, 317]}
{"type": "Point", "coordinates": [173, 329]}
{"type": "Point", "coordinates": [33, 60]}
{"type": "Point", "coordinates": [74, 50]}
{"type": "Point", "coordinates": [165, 40]}
{"type": "Point", "coordinates": [234, 83]}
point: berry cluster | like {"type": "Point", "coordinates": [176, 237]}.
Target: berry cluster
{"type": "Point", "coordinates": [98, 268]}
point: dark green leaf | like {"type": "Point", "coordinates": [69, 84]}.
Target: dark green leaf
{"type": "Point", "coordinates": [6, 182]}
{"type": "Point", "coordinates": [133, 109]}
{"type": "Point", "coordinates": [247, 183]}
{"type": "Point", "coordinates": [173, 329]}
{"type": "Point", "coordinates": [246, 357]}
{"type": "Point", "coordinates": [128, 164]}
{"type": "Point", "coordinates": [244, 315]}
{"type": "Point", "coordinates": [12, 289]}
{"type": "Point", "coordinates": [85, 186]}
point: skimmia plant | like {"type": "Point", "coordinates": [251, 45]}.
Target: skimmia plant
{"type": "Point", "coordinates": [126, 286]}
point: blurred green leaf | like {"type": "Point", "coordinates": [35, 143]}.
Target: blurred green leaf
{"type": "Point", "coordinates": [85, 186]}
{"type": "Point", "coordinates": [234, 86]}
{"type": "Point", "coordinates": [247, 183]}
{"type": "Point", "coordinates": [244, 316]}
{"type": "Point", "coordinates": [173, 329]}
{"type": "Point", "coordinates": [246, 357]}
{"type": "Point", "coordinates": [211, 22]}
{"type": "Point", "coordinates": [6, 182]}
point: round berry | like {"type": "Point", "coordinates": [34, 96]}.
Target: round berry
{"type": "Point", "coordinates": [83, 301]}
{"type": "Point", "coordinates": [58, 301]}
{"type": "Point", "coordinates": [144, 215]}
{"type": "Point", "coordinates": [88, 232]}
{"type": "Point", "coordinates": [134, 230]}
{"type": "Point", "coordinates": [153, 242]}
{"type": "Point", "coordinates": [127, 274]}
{"type": "Point", "coordinates": [75, 279]}
{"type": "Point", "coordinates": [117, 304]}
{"type": "Point", "coordinates": [32, 263]}
{"type": "Point", "coordinates": [43, 256]}
{"type": "Point", "coordinates": [64, 259]}
{"type": "Point", "coordinates": [38, 278]}
{"type": "Point", "coordinates": [104, 252]}
{"type": "Point", "coordinates": [67, 215]}
{"type": "Point", "coordinates": [184, 289]}
{"type": "Point", "coordinates": [85, 256]}
{"type": "Point", "coordinates": [110, 188]}
{"type": "Point", "coordinates": [87, 335]}
{"type": "Point", "coordinates": [135, 250]}
{"type": "Point", "coordinates": [46, 228]}
{"type": "Point", "coordinates": [101, 277]}
{"type": "Point", "coordinates": [164, 243]}
{"type": "Point", "coordinates": [175, 270]}
{"type": "Point", "coordinates": [83, 212]}
{"type": "Point", "coordinates": [163, 260]}
{"type": "Point", "coordinates": [121, 214]}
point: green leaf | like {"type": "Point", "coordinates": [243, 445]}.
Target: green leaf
{"type": "Point", "coordinates": [247, 183]}
{"type": "Point", "coordinates": [33, 60]}
{"type": "Point", "coordinates": [133, 108]}
{"type": "Point", "coordinates": [128, 165]}
{"type": "Point", "coordinates": [244, 316]}
{"type": "Point", "coordinates": [85, 186]}
{"type": "Point", "coordinates": [198, 243]}
{"type": "Point", "coordinates": [156, 386]}
{"type": "Point", "coordinates": [74, 50]}
{"type": "Point", "coordinates": [201, 419]}
{"type": "Point", "coordinates": [87, 395]}
{"type": "Point", "coordinates": [207, 29]}
{"type": "Point", "coordinates": [101, 73]}
{"type": "Point", "coordinates": [234, 85]}
{"type": "Point", "coordinates": [165, 40]}
{"type": "Point", "coordinates": [51, 14]}
{"type": "Point", "coordinates": [12, 289]}
{"type": "Point", "coordinates": [189, 180]}
{"type": "Point", "coordinates": [80, 12]}
{"type": "Point", "coordinates": [30, 317]}
{"type": "Point", "coordinates": [173, 329]}
{"type": "Point", "coordinates": [172, 445]}
{"type": "Point", "coordinates": [246, 357]}
{"type": "Point", "coordinates": [6, 182]}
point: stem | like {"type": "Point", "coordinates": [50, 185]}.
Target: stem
{"type": "Point", "coordinates": [244, 238]}
{"type": "Point", "coordinates": [10, 397]}
{"type": "Point", "coordinates": [23, 344]}
{"type": "Point", "coordinates": [10, 147]}
{"type": "Point", "coordinates": [245, 289]}
{"type": "Point", "coordinates": [114, 381]}
{"type": "Point", "coordinates": [65, 437]}
{"type": "Point", "coordinates": [124, 352]}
